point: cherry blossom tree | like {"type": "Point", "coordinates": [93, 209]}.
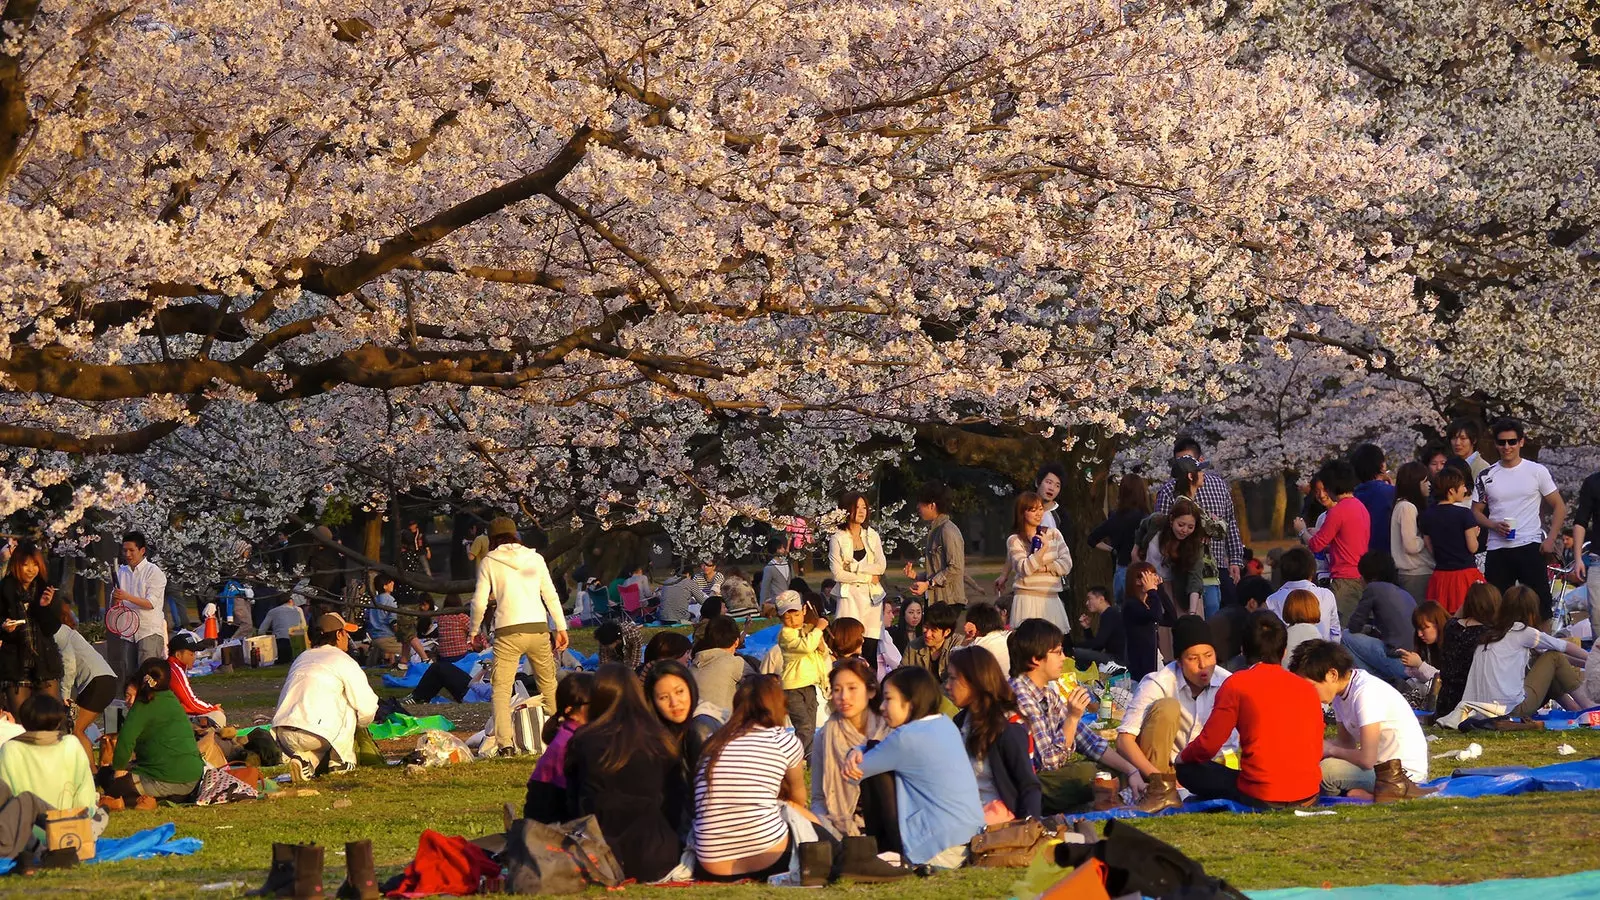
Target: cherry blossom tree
{"type": "Point", "coordinates": [652, 259]}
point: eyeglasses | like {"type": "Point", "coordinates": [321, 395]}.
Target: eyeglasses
{"type": "Point", "coordinates": [1511, 443]}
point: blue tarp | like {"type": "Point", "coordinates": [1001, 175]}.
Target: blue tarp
{"type": "Point", "coordinates": [147, 844]}
{"type": "Point", "coordinates": [758, 643]}
{"type": "Point", "coordinates": [1497, 781]}
{"type": "Point", "coordinates": [414, 671]}
{"type": "Point", "coordinates": [1562, 720]}
{"type": "Point", "coordinates": [1581, 886]}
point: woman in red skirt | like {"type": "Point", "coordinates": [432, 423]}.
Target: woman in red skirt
{"type": "Point", "coordinates": [1451, 533]}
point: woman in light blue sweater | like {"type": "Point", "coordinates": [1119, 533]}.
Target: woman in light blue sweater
{"type": "Point", "coordinates": [935, 790]}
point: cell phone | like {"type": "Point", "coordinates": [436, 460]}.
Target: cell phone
{"type": "Point", "coordinates": [1396, 652]}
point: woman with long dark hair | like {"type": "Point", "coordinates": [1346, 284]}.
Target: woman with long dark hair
{"type": "Point", "coordinates": [1037, 559]}
{"type": "Point", "coordinates": [748, 770]}
{"type": "Point", "coordinates": [835, 799]}
{"type": "Point", "coordinates": [1412, 558]}
{"type": "Point", "coordinates": [1145, 608]}
{"type": "Point", "coordinates": [1501, 672]}
{"type": "Point", "coordinates": [623, 768]}
{"type": "Point", "coordinates": [29, 658]}
{"type": "Point", "coordinates": [995, 735]}
{"type": "Point", "coordinates": [1178, 553]}
{"type": "Point", "coordinates": [908, 625]}
{"type": "Point", "coordinates": [855, 555]}
{"type": "Point", "coordinates": [1117, 534]}
{"type": "Point", "coordinates": [675, 696]}
{"type": "Point", "coordinates": [546, 799]}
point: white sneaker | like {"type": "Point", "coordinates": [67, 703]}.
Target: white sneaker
{"type": "Point", "coordinates": [299, 772]}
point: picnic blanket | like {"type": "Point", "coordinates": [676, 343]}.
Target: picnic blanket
{"type": "Point", "coordinates": [1581, 886]}
{"type": "Point", "coordinates": [399, 725]}
{"type": "Point", "coordinates": [147, 844]}
{"type": "Point", "coordinates": [1493, 781]}
{"type": "Point", "coordinates": [1563, 720]}
{"type": "Point", "coordinates": [414, 671]}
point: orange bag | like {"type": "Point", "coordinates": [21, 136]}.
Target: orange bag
{"type": "Point", "coordinates": [1087, 882]}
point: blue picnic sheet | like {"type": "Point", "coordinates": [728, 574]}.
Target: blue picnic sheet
{"type": "Point", "coordinates": [152, 842]}
{"type": "Point", "coordinates": [1495, 781]}
{"type": "Point", "coordinates": [1581, 886]}
{"type": "Point", "coordinates": [414, 672]}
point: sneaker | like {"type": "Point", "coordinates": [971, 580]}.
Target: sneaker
{"type": "Point", "coordinates": [299, 772]}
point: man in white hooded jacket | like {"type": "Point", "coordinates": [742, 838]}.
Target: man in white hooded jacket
{"type": "Point", "coordinates": [527, 609]}
{"type": "Point", "coordinates": [324, 700]}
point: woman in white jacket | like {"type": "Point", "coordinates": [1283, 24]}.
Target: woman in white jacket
{"type": "Point", "coordinates": [855, 554]}
{"type": "Point", "coordinates": [1037, 559]}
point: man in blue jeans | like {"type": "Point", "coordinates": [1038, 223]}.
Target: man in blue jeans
{"type": "Point", "coordinates": [1386, 607]}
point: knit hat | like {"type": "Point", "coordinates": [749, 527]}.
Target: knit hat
{"type": "Point", "coordinates": [1190, 631]}
{"type": "Point", "coordinates": [502, 525]}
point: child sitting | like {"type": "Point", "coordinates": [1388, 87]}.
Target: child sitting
{"type": "Point", "coordinates": [39, 764]}
{"type": "Point", "coordinates": [805, 665]}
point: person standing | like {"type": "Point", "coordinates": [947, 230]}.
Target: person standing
{"type": "Point", "coordinates": [1345, 533]}
{"type": "Point", "coordinates": [1586, 526]}
{"type": "Point", "coordinates": [1374, 491]}
{"type": "Point", "coordinates": [30, 661]}
{"type": "Point", "coordinates": [1464, 435]}
{"type": "Point", "coordinates": [1037, 559]}
{"type": "Point", "coordinates": [1119, 532]}
{"type": "Point", "coordinates": [1215, 498]}
{"type": "Point", "coordinates": [944, 555]}
{"type": "Point", "coordinates": [527, 610]}
{"type": "Point", "coordinates": [1506, 501]}
{"type": "Point", "coordinates": [775, 576]}
{"type": "Point", "coordinates": [855, 556]}
{"type": "Point", "coordinates": [1412, 558]}
{"type": "Point", "coordinates": [141, 586]}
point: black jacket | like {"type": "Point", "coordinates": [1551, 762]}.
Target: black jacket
{"type": "Point", "coordinates": [29, 653]}
{"type": "Point", "coordinates": [1109, 638]}
{"type": "Point", "coordinates": [1011, 765]}
{"type": "Point", "coordinates": [1140, 621]}
{"type": "Point", "coordinates": [1588, 514]}
{"type": "Point", "coordinates": [638, 806]}
{"type": "Point", "coordinates": [1119, 530]}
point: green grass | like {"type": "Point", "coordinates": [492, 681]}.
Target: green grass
{"type": "Point", "coordinates": [1430, 841]}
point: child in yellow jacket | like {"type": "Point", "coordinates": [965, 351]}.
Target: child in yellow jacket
{"type": "Point", "coordinates": [805, 665]}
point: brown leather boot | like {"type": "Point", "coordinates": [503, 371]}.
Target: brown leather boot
{"type": "Point", "coordinates": [361, 880]}
{"type": "Point", "coordinates": [1392, 783]}
{"type": "Point", "coordinates": [1160, 793]}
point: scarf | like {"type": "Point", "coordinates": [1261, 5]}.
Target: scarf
{"type": "Point", "coordinates": [838, 793]}
{"type": "Point", "coordinates": [39, 738]}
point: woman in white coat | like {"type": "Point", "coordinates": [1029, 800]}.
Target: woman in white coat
{"type": "Point", "coordinates": [1037, 559]}
{"type": "Point", "coordinates": [855, 554]}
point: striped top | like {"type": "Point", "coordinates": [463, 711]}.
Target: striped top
{"type": "Point", "coordinates": [737, 812]}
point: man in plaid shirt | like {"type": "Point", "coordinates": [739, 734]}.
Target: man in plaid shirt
{"type": "Point", "coordinates": [1037, 660]}
{"type": "Point", "coordinates": [1216, 499]}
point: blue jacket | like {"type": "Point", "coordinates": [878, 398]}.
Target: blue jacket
{"type": "Point", "coordinates": [1378, 497]}
{"type": "Point", "coordinates": [380, 621]}
{"type": "Point", "coordinates": [934, 786]}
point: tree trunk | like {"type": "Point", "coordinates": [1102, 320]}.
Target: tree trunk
{"type": "Point", "coordinates": [1280, 505]}
{"type": "Point", "coordinates": [1241, 512]}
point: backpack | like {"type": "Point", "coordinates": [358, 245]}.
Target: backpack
{"type": "Point", "coordinates": [558, 859]}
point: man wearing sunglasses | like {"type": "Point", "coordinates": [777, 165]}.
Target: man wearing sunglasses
{"type": "Point", "coordinates": [1507, 502]}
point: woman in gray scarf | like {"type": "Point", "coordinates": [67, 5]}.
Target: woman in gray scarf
{"type": "Point", "coordinates": [854, 721]}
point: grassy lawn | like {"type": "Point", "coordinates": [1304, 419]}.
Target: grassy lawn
{"type": "Point", "coordinates": [1438, 841]}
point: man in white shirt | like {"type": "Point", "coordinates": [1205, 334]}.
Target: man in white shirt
{"type": "Point", "coordinates": [141, 586]}
{"type": "Point", "coordinates": [987, 629]}
{"type": "Point", "coordinates": [1507, 500]}
{"type": "Point", "coordinates": [1298, 566]}
{"type": "Point", "coordinates": [1380, 753]}
{"type": "Point", "coordinates": [1169, 709]}
{"type": "Point", "coordinates": [325, 698]}
{"type": "Point", "coordinates": [527, 611]}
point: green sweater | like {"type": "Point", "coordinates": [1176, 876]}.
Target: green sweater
{"type": "Point", "coordinates": [159, 736]}
{"type": "Point", "coordinates": [55, 770]}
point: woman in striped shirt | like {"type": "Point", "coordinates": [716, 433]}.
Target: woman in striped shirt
{"type": "Point", "coordinates": [747, 771]}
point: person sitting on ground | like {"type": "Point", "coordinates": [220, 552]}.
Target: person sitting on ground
{"type": "Point", "coordinates": [666, 645]}
{"type": "Point", "coordinates": [621, 641]}
{"type": "Point", "coordinates": [1299, 566]}
{"type": "Point", "coordinates": [381, 622]}
{"type": "Point", "coordinates": [180, 656]}
{"type": "Point", "coordinates": [452, 646]}
{"type": "Point", "coordinates": [1302, 614]}
{"type": "Point", "coordinates": [40, 763]}
{"type": "Point", "coordinates": [835, 799]}
{"type": "Point", "coordinates": [677, 594]}
{"type": "Point", "coordinates": [1105, 643]}
{"type": "Point", "coordinates": [805, 665]}
{"type": "Point", "coordinates": [156, 757]}
{"type": "Point", "coordinates": [905, 632]}
{"type": "Point", "coordinates": [86, 677]}
{"type": "Point", "coordinates": [1057, 724]}
{"type": "Point", "coordinates": [717, 668]}
{"type": "Point", "coordinates": [933, 643]}
{"type": "Point", "coordinates": [738, 595]}
{"type": "Point", "coordinates": [1170, 707]}
{"type": "Point", "coordinates": [936, 791]}
{"type": "Point", "coordinates": [670, 688]}
{"type": "Point", "coordinates": [546, 798]}
{"type": "Point", "coordinates": [324, 699]}
{"type": "Point", "coordinates": [1279, 720]}
{"type": "Point", "coordinates": [1462, 635]}
{"type": "Point", "coordinates": [1380, 752]}
{"type": "Point", "coordinates": [995, 736]}
{"type": "Point", "coordinates": [986, 628]}
{"type": "Point", "coordinates": [1227, 626]}
{"type": "Point", "coordinates": [623, 769]}
{"type": "Point", "coordinates": [709, 610]}
{"type": "Point", "coordinates": [1145, 609]}
{"type": "Point", "coordinates": [280, 621]}
{"type": "Point", "coordinates": [748, 768]}
{"type": "Point", "coordinates": [1386, 607]}
{"type": "Point", "coordinates": [1428, 622]}
{"type": "Point", "coordinates": [1501, 674]}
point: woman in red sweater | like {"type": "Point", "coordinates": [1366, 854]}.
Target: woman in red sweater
{"type": "Point", "coordinates": [1279, 718]}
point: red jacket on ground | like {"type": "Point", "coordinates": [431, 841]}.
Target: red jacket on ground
{"type": "Point", "coordinates": [1279, 718]}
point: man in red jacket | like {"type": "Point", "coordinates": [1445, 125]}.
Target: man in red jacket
{"type": "Point", "coordinates": [180, 656]}
{"type": "Point", "coordinates": [1280, 729]}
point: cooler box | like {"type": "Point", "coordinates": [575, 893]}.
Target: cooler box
{"type": "Point", "coordinates": [261, 650]}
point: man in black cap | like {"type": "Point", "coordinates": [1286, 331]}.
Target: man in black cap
{"type": "Point", "coordinates": [1169, 709]}
{"type": "Point", "coordinates": [180, 656]}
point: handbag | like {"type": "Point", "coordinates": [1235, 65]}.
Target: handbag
{"type": "Point", "coordinates": [527, 725]}
{"type": "Point", "coordinates": [1013, 844]}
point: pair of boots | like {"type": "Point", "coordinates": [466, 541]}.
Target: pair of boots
{"type": "Point", "coordinates": [297, 872]}
{"type": "Point", "coordinates": [1392, 783]}
{"type": "Point", "coordinates": [857, 860]}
